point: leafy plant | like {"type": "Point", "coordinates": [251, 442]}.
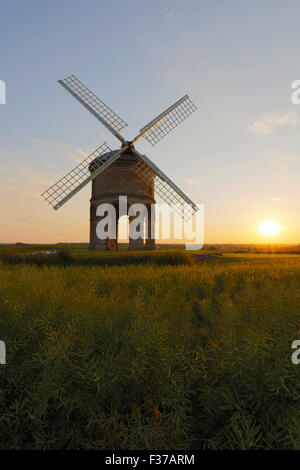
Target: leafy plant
{"type": "Point", "coordinates": [150, 356]}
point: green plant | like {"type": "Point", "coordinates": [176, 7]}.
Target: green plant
{"type": "Point", "coordinates": [150, 357]}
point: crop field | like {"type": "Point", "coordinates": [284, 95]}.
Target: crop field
{"type": "Point", "coordinates": [162, 350]}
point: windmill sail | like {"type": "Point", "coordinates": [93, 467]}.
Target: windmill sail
{"type": "Point", "coordinates": [165, 122]}
{"type": "Point", "coordinates": [164, 188]}
{"type": "Point", "coordinates": [60, 192]}
{"type": "Point", "coordinates": [94, 105]}
{"type": "Point", "coordinates": [97, 162]}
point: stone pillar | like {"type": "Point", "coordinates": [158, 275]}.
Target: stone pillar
{"type": "Point", "coordinates": [136, 244]}
{"type": "Point", "coordinates": [150, 240]}
{"type": "Point", "coordinates": [97, 243]}
{"type": "Point", "coordinates": [93, 235]}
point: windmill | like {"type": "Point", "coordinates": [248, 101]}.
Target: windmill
{"type": "Point", "coordinates": [125, 171]}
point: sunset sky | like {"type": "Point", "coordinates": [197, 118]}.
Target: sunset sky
{"type": "Point", "coordinates": [238, 154]}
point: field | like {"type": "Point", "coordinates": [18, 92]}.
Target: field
{"type": "Point", "coordinates": [173, 353]}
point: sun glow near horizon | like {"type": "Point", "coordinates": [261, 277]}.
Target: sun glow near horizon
{"type": "Point", "coordinates": [269, 228]}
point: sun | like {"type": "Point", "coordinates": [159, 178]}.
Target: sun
{"type": "Point", "coordinates": [269, 228]}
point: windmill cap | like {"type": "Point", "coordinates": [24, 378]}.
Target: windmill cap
{"type": "Point", "coordinates": [127, 156]}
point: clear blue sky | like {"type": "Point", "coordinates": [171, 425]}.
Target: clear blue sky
{"type": "Point", "coordinates": [238, 154]}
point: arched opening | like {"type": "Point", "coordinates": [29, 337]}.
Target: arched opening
{"type": "Point", "coordinates": [123, 231]}
{"type": "Point", "coordinates": [123, 234]}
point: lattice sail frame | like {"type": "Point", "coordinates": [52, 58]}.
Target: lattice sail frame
{"type": "Point", "coordinates": [92, 102]}
{"type": "Point", "coordinates": [163, 190]}
{"type": "Point", "coordinates": [76, 177]}
{"type": "Point", "coordinates": [93, 165]}
{"type": "Point", "coordinates": [159, 127]}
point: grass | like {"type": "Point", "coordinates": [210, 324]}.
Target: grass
{"type": "Point", "coordinates": [67, 257]}
{"type": "Point", "coordinates": [148, 356]}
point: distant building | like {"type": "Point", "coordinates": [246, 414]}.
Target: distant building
{"type": "Point", "coordinates": [251, 249]}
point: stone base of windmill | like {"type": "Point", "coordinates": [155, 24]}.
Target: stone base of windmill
{"type": "Point", "coordinates": [105, 245]}
{"type": "Point", "coordinates": [141, 245]}
{"type": "Point", "coordinates": [150, 244]}
{"type": "Point", "coordinates": [112, 245]}
{"type": "Point", "coordinates": [117, 181]}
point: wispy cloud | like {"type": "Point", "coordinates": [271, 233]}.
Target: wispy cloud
{"type": "Point", "coordinates": [37, 140]}
{"type": "Point", "coordinates": [79, 155]}
{"type": "Point", "coordinates": [271, 199]}
{"type": "Point", "coordinates": [76, 155]}
{"type": "Point", "coordinates": [189, 181]}
{"type": "Point", "coordinates": [25, 215]}
{"type": "Point", "coordinates": [268, 123]}
{"type": "Point", "coordinates": [169, 14]}
{"type": "Point", "coordinates": [22, 182]}
{"type": "Point", "coordinates": [173, 17]}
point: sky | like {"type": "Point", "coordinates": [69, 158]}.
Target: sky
{"type": "Point", "coordinates": [238, 154]}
